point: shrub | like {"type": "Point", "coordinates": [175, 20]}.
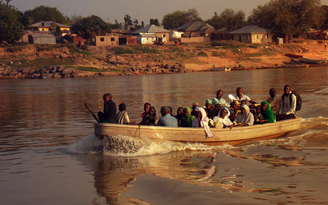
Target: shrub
{"type": "Point", "coordinates": [202, 54]}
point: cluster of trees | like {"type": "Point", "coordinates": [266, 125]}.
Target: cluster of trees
{"type": "Point", "coordinates": [228, 19]}
{"type": "Point", "coordinates": [178, 18]}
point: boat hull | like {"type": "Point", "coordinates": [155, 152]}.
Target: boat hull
{"type": "Point", "coordinates": [234, 136]}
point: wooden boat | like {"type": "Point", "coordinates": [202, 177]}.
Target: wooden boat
{"type": "Point", "coordinates": [295, 66]}
{"type": "Point", "coordinates": [291, 55]}
{"type": "Point", "coordinates": [292, 61]}
{"type": "Point", "coordinates": [234, 136]}
{"type": "Point", "coordinates": [235, 69]}
{"type": "Point", "coordinates": [310, 61]}
{"type": "Point", "coordinates": [217, 69]}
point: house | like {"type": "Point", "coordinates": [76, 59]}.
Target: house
{"type": "Point", "coordinates": [221, 34]}
{"type": "Point", "coordinates": [175, 34]}
{"type": "Point", "coordinates": [75, 39]}
{"type": "Point", "coordinates": [42, 39]}
{"type": "Point", "coordinates": [252, 34]}
{"type": "Point", "coordinates": [196, 29]}
{"type": "Point", "coordinates": [48, 25]}
{"type": "Point", "coordinates": [147, 34]}
{"type": "Point", "coordinates": [127, 40]}
{"type": "Point", "coordinates": [104, 41]}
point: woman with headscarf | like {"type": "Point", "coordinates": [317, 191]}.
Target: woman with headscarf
{"type": "Point", "coordinates": [267, 114]}
{"type": "Point", "coordinates": [222, 120]}
{"type": "Point", "coordinates": [187, 117]}
{"type": "Point", "coordinates": [245, 117]}
{"type": "Point", "coordinates": [201, 120]}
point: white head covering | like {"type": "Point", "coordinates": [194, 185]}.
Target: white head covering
{"type": "Point", "coordinates": [204, 122]}
{"type": "Point", "coordinates": [223, 121]}
{"type": "Point", "coordinates": [247, 118]}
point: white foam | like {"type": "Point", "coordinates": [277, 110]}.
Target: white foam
{"type": "Point", "coordinates": [87, 145]}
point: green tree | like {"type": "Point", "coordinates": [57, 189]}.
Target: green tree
{"type": "Point", "coordinates": [58, 31]}
{"type": "Point", "coordinates": [288, 18]}
{"type": "Point", "coordinates": [127, 22]}
{"type": "Point", "coordinates": [228, 19]}
{"type": "Point", "coordinates": [178, 18]}
{"type": "Point", "coordinates": [44, 13]}
{"type": "Point", "coordinates": [91, 26]}
{"type": "Point", "coordinates": [154, 22]}
{"type": "Point", "coordinates": [11, 29]}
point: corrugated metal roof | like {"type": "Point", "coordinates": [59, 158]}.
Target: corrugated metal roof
{"type": "Point", "coordinates": [48, 24]}
{"type": "Point", "coordinates": [194, 26]}
{"type": "Point", "coordinates": [250, 30]}
{"type": "Point", "coordinates": [152, 29]}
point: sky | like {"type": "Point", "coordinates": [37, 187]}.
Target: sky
{"type": "Point", "coordinates": [143, 10]}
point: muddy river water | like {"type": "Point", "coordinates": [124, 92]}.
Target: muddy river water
{"type": "Point", "coordinates": [46, 140]}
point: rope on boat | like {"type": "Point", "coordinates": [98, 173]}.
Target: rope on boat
{"type": "Point", "coordinates": [137, 131]}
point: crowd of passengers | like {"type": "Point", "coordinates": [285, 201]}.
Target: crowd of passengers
{"type": "Point", "coordinates": [216, 113]}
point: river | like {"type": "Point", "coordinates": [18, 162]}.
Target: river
{"type": "Point", "coordinates": [46, 141]}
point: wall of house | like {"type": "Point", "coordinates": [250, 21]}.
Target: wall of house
{"type": "Point", "coordinates": [165, 36]}
{"type": "Point", "coordinates": [195, 40]}
{"type": "Point", "coordinates": [102, 41]}
{"type": "Point", "coordinates": [254, 38]}
{"type": "Point", "coordinates": [146, 40]}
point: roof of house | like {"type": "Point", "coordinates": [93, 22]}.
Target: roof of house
{"type": "Point", "coordinates": [152, 29]}
{"type": "Point", "coordinates": [117, 30]}
{"type": "Point", "coordinates": [250, 30]}
{"type": "Point", "coordinates": [48, 24]}
{"type": "Point", "coordinates": [195, 26]}
{"type": "Point", "coordinates": [148, 35]}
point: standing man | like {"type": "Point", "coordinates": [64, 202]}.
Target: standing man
{"type": "Point", "coordinates": [274, 101]}
{"type": "Point", "coordinates": [240, 96]}
{"type": "Point", "coordinates": [167, 120]}
{"type": "Point", "coordinates": [109, 114]}
{"type": "Point", "coordinates": [288, 105]}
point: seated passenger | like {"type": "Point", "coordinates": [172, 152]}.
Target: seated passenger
{"type": "Point", "coordinates": [245, 117]}
{"type": "Point", "coordinates": [151, 118]}
{"type": "Point", "coordinates": [167, 120]}
{"type": "Point", "coordinates": [243, 102]}
{"type": "Point", "coordinates": [201, 120]}
{"type": "Point", "coordinates": [258, 116]}
{"type": "Point", "coordinates": [222, 120]}
{"type": "Point", "coordinates": [274, 101]}
{"type": "Point", "coordinates": [146, 109]}
{"type": "Point", "coordinates": [208, 107]}
{"type": "Point", "coordinates": [288, 105]}
{"type": "Point", "coordinates": [179, 115]}
{"type": "Point", "coordinates": [109, 114]}
{"type": "Point", "coordinates": [194, 105]}
{"type": "Point", "coordinates": [234, 110]}
{"type": "Point", "coordinates": [187, 118]}
{"type": "Point", "coordinates": [215, 111]}
{"type": "Point", "coordinates": [122, 116]}
{"type": "Point", "coordinates": [267, 114]}
{"type": "Point", "coordinates": [219, 99]}
{"type": "Point", "coordinates": [240, 96]}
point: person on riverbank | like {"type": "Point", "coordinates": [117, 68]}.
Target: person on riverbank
{"type": "Point", "coordinates": [222, 120]}
{"type": "Point", "coordinates": [187, 118]}
{"type": "Point", "coordinates": [146, 109]}
{"type": "Point", "coordinates": [122, 116]}
{"type": "Point", "coordinates": [219, 99]}
{"type": "Point", "coordinates": [240, 96]}
{"type": "Point", "coordinates": [109, 114]}
{"type": "Point", "coordinates": [167, 120]}
{"type": "Point", "coordinates": [267, 113]}
{"type": "Point", "coordinates": [274, 101]}
{"type": "Point", "coordinates": [288, 105]}
{"type": "Point", "coordinates": [179, 115]}
{"type": "Point", "coordinates": [201, 120]}
{"type": "Point", "coordinates": [244, 118]}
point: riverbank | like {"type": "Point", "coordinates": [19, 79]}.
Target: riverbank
{"type": "Point", "coordinates": [68, 61]}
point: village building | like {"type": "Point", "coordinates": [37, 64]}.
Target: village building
{"type": "Point", "coordinates": [42, 38]}
{"type": "Point", "coordinates": [49, 25]}
{"type": "Point", "coordinates": [195, 31]}
{"type": "Point", "coordinates": [221, 35]}
{"type": "Point", "coordinates": [102, 41]}
{"type": "Point", "coordinates": [175, 34]}
{"type": "Point", "coordinates": [152, 33]}
{"type": "Point", "coordinates": [252, 34]}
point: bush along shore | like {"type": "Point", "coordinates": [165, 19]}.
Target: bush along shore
{"type": "Point", "coordinates": [68, 61]}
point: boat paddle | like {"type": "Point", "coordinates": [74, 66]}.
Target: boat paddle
{"type": "Point", "coordinates": [91, 112]}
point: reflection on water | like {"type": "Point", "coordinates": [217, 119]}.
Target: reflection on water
{"type": "Point", "coordinates": [40, 118]}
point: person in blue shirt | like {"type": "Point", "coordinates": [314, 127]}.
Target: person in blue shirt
{"type": "Point", "coordinates": [167, 120]}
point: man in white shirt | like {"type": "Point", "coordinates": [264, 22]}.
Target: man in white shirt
{"type": "Point", "coordinates": [240, 96]}
{"type": "Point", "coordinates": [288, 105]}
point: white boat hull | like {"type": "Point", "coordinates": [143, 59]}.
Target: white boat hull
{"type": "Point", "coordinates": [197, 135]}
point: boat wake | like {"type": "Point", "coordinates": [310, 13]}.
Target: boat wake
{"type": "Point", "coordinates": [314, 131]}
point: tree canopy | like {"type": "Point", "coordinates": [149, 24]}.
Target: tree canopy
{"type": "Point", "coordinates": [228, 19]}
{"type": "Point", "coordinates": [288, 17]}
{"type": "Point", "coordinates": [178, 18]}
{"type": "Point", "coordinates": [91, 26]}
{"type": "Point", "coordinates": [10, 26]}
{"type": "Point", "coordinates": [44, 13]}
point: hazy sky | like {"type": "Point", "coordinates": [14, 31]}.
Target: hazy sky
{"type": "Point", "coordinates": [143, 10]}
